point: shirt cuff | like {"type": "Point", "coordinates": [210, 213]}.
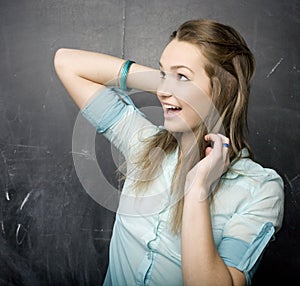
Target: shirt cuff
{"type": "Point", "coordinates": [107, 108]}
{"type": "Point", "coordinates": [243, 256]}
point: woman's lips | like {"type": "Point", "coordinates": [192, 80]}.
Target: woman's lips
{"type": "Point", "coordinates": [171, 110]}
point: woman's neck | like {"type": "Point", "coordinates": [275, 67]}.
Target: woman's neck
{"type": "Point", "coordinates": [187, 141]}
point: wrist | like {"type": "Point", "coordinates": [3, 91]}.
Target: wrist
{"type": "Point", "coordinates": [123, 74]}
{"type": "Point", "coordinates": [197, 193]}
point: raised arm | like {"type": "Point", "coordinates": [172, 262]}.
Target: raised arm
{"type": "Point", "coordinates": [83, 73]}
{"type": "Point", "coordinates": [201, 262]}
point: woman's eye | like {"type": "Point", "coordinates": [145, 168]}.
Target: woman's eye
{"type": "Point", "coordinates": [162, 75]}
{"type": "Point", "coordinates": [182, 77]}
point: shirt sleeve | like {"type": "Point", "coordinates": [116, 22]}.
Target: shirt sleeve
{"type": "Point", "coordinates": [113, 114]}
{"type": "Point", "coordinates": [249, 230]}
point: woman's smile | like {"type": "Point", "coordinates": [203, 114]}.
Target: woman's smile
{"type": "Point", "coordinates": [171, 110]}
{"type": "Point", "coordinates": [184, 87]}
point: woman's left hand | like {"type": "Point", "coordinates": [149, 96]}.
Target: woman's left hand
{"type": "Point", "coordinates": [208, 170]}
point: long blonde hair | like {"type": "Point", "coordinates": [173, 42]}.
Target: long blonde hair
{"type": "Point", "coordinates": [230, 68]}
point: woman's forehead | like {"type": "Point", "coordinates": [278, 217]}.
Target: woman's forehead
{"type": "Point", "coordinates": [181, 53]}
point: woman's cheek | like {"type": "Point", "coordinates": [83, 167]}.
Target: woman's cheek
{"type": "Point", "coordinates": [195, 101]}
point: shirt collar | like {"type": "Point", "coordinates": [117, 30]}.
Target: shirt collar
{"type": "Point", "coordinates": [243, 166]}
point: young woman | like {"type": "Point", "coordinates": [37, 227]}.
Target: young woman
{"type": "Point", "coordinates": [195, 208]}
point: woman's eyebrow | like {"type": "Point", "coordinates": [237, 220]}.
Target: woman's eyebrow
{"type": "Point", "coordinates": [181, 66]}
{"type": "Point", "coordinates": [178, 67]}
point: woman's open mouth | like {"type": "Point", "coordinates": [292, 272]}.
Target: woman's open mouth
{"type": "Point", "coordinates": [171, 110]}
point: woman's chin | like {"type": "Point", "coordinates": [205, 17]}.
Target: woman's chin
{"type": "Point", "coordinates": [175, 128]}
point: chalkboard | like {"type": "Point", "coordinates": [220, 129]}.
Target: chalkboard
{"type": "Point", "coordinates": [51, 231]}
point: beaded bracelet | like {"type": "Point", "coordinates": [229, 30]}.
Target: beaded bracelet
{"type": "Point", "coordinates": [123, 73]}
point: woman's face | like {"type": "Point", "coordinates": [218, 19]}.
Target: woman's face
{"type": "Point", "coordinates": [184, 89]}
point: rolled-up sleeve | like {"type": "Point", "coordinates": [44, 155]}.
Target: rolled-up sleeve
{"type": "Point", "coordinates": [107, 108]}
{"type": "Point", "coordinates": [250, 229]}
{"type": "Point", "coordinates": [113, 114]}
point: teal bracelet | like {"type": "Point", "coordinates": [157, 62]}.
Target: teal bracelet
{"type": "Point", "coordinates": [124, 74]}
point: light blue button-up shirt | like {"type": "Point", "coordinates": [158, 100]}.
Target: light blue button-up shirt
{"type": "Point", "coordinates": [246, 211]}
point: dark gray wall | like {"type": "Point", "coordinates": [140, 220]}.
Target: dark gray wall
{"type": "Point", "coordinates": [52, 232]}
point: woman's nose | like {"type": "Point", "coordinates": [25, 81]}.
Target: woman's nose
{"type": "Point", "coordinates": [164, 89]}
{"type": "Point", "coordinates": [161, 93]}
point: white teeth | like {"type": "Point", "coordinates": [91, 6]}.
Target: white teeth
{"type": "Point", "coordinates": [171, 107]}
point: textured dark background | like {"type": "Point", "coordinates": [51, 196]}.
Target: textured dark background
{"type": "Point", "coordinates": [51, 231]}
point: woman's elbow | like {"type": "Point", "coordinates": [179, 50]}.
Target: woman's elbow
{"type": "Point", "coordinates": [61, 59]}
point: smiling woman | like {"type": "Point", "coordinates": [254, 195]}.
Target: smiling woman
{"type": "Point", "coordinates": [195, 208]}
{"type": "Point", "coordinates": [185, 85]}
